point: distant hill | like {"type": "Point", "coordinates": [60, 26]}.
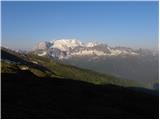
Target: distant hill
{"type": "Point", "coordinates": [142, 69]}
{"type": "Point", "coordinates": [40, 87]}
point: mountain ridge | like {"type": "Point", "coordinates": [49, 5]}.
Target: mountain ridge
{"type": "Point", "coordinates": [66, 48]}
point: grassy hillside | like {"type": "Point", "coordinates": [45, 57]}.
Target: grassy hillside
{"type": "Point", "coordinates": [43, 66]}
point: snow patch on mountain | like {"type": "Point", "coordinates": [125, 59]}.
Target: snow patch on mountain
{"type": "Point", "coordinates": [90, 44]}
{"type": "Point", "coordinates": [66, 44]}
{"type": "Point", "coordinates": [42, 54]}
{"type": "Point", "coordinates": [89, 52]}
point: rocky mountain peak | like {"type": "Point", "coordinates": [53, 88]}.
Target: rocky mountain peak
{"type": "Point", "coordinates": [65, 48]}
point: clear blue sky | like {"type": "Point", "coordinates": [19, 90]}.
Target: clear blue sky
{"type": "Point", "coordinates": [133, 24]}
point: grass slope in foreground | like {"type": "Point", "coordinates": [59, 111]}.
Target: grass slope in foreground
{"type": "Point", "coordinates": [37, 87]}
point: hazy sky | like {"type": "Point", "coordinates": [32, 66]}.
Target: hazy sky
{"type": "Point", "coordinates": [132, 24]}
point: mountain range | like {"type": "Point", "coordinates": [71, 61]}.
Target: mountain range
{"type": "Point", "coordinates": [66, 48]}
{"type": "Point", "coordinates": [140, 65]}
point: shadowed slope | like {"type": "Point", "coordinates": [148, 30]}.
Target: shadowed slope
{"type": "Point", "coordinates": [26, 96]}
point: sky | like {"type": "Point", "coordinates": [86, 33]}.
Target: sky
{"type": "Point", "coordinates": [131, 24]}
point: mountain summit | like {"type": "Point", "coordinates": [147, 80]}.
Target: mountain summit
{"type": "Point", "coordinates": [66, 48]}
